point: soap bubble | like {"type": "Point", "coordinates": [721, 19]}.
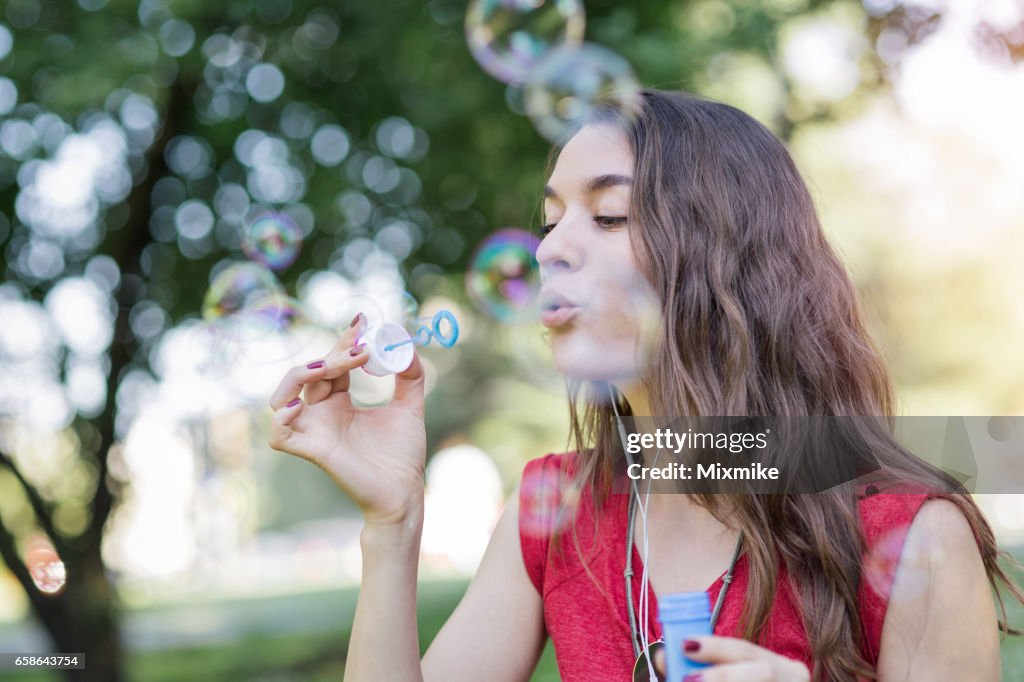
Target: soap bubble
{"type": "Point", "coordinates": [510, 37]}
{"type": "Point", "coordinates": [274, 240]}
{"type": "Point", "coordinates": [272, 314]}
{"type": "Point", "coordinates": [891, 552]}
{"type": "Point", "coordinates": [273, 328]}
{"type": "Point", "coordinates": [548, 502]}
{"type": "Point", "coordinates": [236, 286]}
{"type": "Point", "coordinates": [351, 306]}
{"type": "Point", "coordinates": [410, 309]}
{"type": "Point", "coordinates": [567, 87]}
{"type": "Point", "coordinates": [215, 351]}
{"type": "Point", "coordinates": [527, 345]}
{"type": "Point", "coordinates": [503, 278]}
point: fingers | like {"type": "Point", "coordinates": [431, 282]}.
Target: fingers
{"type": "Point", "coordinates": [320, 377]}
{"type": "Point", "coordinates": [316, 391]}
{"type": "Point", "coordinates": [734, 658]}
{"type": "Point", "coordinates": [409, 384]}
{"type": "Point", "coordinates": [349, 336]}
{"type": "Point", "coordinates": [333, 373]}
{"type": "Point", "coordinates": [283, 436]}
{"type": "Point", "coordinates": [292, 383]}
{"type": "Point", "coordinates": [718, 649]}
{"type": "Point", "coordinates": [747, 671]}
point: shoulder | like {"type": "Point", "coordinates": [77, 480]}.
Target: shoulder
{"type": "Point", "coordinates": [541, 512]}
{"type": "Point", "coordinates": [942, 523]}
{"type": "Point", "coordinates": [916, 541]}
{"type": "Point", "coordinates": [888, 510]}
{"type": "Point", "coordinates": [564, 462]}
{"type": "Point", "coordinates": [909, 515]}
{"type": "Point", "coordinates": [941, 617]}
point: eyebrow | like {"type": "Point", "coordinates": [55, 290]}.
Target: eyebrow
{"type": "Point", "coordinates": [595, 184]}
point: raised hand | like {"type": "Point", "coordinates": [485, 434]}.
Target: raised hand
{"type": "Point", "coordinates": [376, 455]}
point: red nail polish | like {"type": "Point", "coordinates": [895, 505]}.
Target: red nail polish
{"type": "Point", "coordinates": [315, 365]}
{"type": "Point", "coordinates": [295, 402]}
{"type": "Point", "coordinates": [693, 677]}
{"type": "Point", "coordinates": [356, 319]}
{"type": "Point", "coordinates": [357, 350]}
{"type": "Point", "coordinates": [691, 645]}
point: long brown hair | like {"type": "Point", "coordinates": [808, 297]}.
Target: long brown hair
{"type": "Point", "coordinates": [759, 318]}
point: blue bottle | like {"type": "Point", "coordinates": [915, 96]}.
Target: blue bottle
{"type": "Point", "coordinates": [683, 615]}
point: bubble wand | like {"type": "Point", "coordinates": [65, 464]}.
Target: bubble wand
{"type": "Point", "coordinates": [390, 345]}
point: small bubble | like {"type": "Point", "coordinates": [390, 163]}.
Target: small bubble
{"type": "Point", "coordinates": [504, 278]}
{"type": "Point", "coordinates": [542, 512]}
{"type": "Point", "coordinates": [566, 89]}
{"type": "Point", "coordinates": [890, 552]}
{"type": "Point", "coordinates": [510, 37]}
{"type": "Point", "coordinates": [274, 240]}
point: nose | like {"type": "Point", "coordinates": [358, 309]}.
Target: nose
{"type": "Point", "coordinates": [559, 251]}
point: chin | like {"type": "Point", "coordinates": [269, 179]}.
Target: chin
{"type": "Point", "coordinates": [584, 362]}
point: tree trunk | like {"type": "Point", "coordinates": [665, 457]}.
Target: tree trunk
{"type": "Point", "coordinates": [83, 617]}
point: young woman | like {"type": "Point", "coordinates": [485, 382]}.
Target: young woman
{"type": "Point", "coordinates": [700, 207]}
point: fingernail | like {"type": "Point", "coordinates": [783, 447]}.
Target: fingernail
{"type": "Point", "coordinates": [356, 320]}
{"type": "Point", "coordinates": [357, 350]}
{"type": "Point", "coordinates": [295, 402]}
{"type": "Point", "coordinates": [691, 645]}
{"type": "Point", "coordinates": [315, 365]}
{"type": "Point", "coordinates": [693, 677]}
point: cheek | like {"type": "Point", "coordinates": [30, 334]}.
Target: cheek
{"type": "Point", "coordinates": [628, 307]}
{"type": "Point", "coordinates": [615, 340]}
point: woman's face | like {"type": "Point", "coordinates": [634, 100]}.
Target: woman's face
{"type": "Point", "coordinates": [598, 305]}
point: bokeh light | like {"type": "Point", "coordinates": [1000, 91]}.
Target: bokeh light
{"type": "Point", "coordinates": [462, 503]}
{"type": "Point", "coordinates": [565, 90]}
{"type": "Point", "coordinates": [510, 37]}
{"type": "Point", "coordinates": [503, 278]}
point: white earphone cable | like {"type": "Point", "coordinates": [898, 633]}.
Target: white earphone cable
{"type": "Point", "coordinates": [644, 606]}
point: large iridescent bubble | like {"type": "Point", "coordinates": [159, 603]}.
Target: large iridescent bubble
{"type": "Point", "coordinates": [568, 86]}
{"type": "Point", "coordinates": [274, 240]}
{"type": "Point", "coordinates": [273, 328]}
{"type": "Point", "coordinates": [510, 37]}
{"type": "Point", "coordinates": [251, 316]}
{"type": "Point", "coordinates": [504, 278]}
{"type": "Point", "coordinates": [236, 287]}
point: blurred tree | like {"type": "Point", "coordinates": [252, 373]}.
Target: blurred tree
{"type": "Point", "coordinates": [118, 115]}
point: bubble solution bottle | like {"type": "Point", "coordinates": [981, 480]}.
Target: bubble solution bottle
{"type": "Point", "coordinates": [683, 615]}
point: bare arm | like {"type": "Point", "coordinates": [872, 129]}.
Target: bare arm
{"type": "Point", "coordinates": [497, 631]}
{"type": "Point", "coordinates": [385, 640]}
{"type": "Point", "coordinates": [941, 619]}
{"type": "Point", "coordinates": [378, 457]}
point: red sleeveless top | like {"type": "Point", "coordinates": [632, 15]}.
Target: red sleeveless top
{"type": "Point", "coordinates": [587, 617]}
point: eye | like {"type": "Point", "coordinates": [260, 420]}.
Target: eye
{"type": "Point", "coordinates": [609, 221]}
{"type": "Point", "coordinates": [543, 230]}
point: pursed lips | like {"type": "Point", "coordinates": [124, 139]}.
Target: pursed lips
{"type": "Point", "coordinates": [557, 309]}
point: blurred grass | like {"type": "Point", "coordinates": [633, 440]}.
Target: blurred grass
{"type": "Point", "coordinates": [301, 657]}
{"type": "Point", "coordinates": [319, 656]}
